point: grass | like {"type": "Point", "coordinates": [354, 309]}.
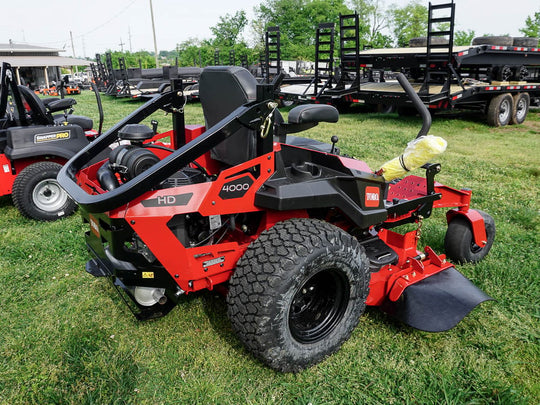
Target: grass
{"type": "Point", "coordinates": [67, 338]}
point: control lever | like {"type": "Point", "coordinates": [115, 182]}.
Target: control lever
{"type": "Point", "coordinates": [334, 140]}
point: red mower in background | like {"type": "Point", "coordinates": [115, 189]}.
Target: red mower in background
{"type": "Point", "coordinates": [37, 136]}
{"type": "Point", "coordinates": [298, 237]}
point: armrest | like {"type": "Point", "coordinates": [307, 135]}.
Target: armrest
{"type": "Point", "coordinates": [307, 116]}
{"type": "Point", "coordinates": [59, 105]}
{"type": "Point", "coordinates": [311, 113]}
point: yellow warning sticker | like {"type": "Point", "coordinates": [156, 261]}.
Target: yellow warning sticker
{"type": "Point", "coordinates": [147, 274]}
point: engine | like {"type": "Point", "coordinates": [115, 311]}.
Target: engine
{"type": "Point", "coordinates": [128, 161]}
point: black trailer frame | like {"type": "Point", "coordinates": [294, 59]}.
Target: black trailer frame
{"type": "Point", "coordinates": [445, 76]}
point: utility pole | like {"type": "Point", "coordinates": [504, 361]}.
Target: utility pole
{"type": "Point", "coordinates": [84, 47]}
{"type": "Point", "coordinates": [73, 49]}
{"type": "Point", "coordinates": [121, 45]}
{"type": "Point", "coordinates": [129, 36]}
{"type": "Point", "coordinates": [154, 32]}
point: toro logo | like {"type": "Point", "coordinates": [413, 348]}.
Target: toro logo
{"type": "Point", "coordinates": [236, 188]}
{"type": "Point", "coordinates": [372, 196]}
{"type": "Point", "coordinates": [94, 226]}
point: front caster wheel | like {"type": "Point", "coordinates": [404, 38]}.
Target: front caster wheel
{"type": "Point", "coordinates": [459, 241]}
{"type": "Point", "coordinates": [298, 293]}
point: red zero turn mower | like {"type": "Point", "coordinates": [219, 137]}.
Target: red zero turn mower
{"type": "Point", "coordinates": [37, 136]}
{"type": "Point", "coordinates": [299, 238]}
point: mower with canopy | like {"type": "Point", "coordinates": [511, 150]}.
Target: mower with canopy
{"type": "Point", "coordinates": [298, 237]}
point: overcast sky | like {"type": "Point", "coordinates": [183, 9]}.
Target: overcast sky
{"type": "Point", "coordinates": [99, 25]}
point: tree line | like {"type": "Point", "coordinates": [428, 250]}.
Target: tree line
{"type": "Point", "coordinates": [235, 37]}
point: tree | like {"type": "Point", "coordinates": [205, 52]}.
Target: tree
{"type": "Point", "coordinates": [373, 20]}
{"type": "Point", "coordinates": [229, 28]}
{"type": "Point", "coordinates": [195, 52]}
{"type": "Point", "coordinates": [464, 37]}
{"type": "Point", "coordinates": [143, 58]}
{"type": "Point", "coordinates": [298, 21]}
{"type": "Point", "coordinates": [532, 26]}
{"type": "Point", "coordinates": [408, 22]}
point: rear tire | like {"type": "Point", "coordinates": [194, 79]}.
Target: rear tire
{"type": "Point", "coordinates": [499, 112]}
{"type": "Point", "coordinates": [459, 241]}
{"type": "Point", "coordinates": [522, 102]}
{"type": "Point", "coordinates": [37, 194]}
{"type": "Point", "coordinates": [298, 292]}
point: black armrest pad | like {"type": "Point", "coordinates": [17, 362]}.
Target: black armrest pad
{"type": "Point", "coordinates": [310, 113]}
{"type": "Point", "coordinates": [62, 104]}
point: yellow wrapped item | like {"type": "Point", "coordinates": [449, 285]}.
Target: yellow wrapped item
{"type": "Point", "coordinates": [417, 153]}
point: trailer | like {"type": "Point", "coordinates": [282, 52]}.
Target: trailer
{"type": "Point", "coordinates": [500, 80]}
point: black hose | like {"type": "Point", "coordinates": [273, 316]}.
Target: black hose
{"type": "Point", "coordinates": [417, 103]}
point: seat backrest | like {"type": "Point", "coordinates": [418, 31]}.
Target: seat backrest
{"type": "Point", "coordinates": [222, 89]}
{"type": "Point", "coordinates": [39, 112]}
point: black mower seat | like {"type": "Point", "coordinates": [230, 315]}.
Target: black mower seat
{"type": "Point", "coordinates": [39, 111]}
{"type": "Point", "coordinates": [42, 110]}
{"type": "Point", "coordinates": [222, 89]}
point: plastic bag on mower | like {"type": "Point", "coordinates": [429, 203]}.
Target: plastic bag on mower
{"type": "Point", "coordinates": [297, 237]}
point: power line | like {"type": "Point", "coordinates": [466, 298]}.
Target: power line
{"type": "Point", "coordinates": [91, 30]}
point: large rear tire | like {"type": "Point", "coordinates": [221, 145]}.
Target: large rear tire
{"type": "Point", "coordinates": [37, 194]}
{"type": "Point", "coordinates": [459, 241]}
{"type": "Point", "coordinates": [499, 112]}
{"type": "Point", "coordinates": [298, 293]}
{"type": "Point", "coordinates": [522, 102]}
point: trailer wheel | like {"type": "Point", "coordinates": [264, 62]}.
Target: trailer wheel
{"type": "Point", "coordinates": [522, 102]}
{"type": "Point", "coordinates": [500, 109]}
{"type": "Point", "coordinates": [298, 293]}
{"type": "Point", "coordinates": [406, 111]}
{"type": "Point", "coordinates": [37, 194]}
{"type": "Point", "coordinates": [503, 73]}
{"type": "Point", "coordinates": [459, 242]}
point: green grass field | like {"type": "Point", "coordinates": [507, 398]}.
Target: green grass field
{"type": "Point", "coordinates": [67, 338]}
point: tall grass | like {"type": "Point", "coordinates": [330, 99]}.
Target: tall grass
{"type": "Point", "coordinates": [67, 338]}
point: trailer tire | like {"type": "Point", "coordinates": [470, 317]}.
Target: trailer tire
{"type": "Point", "coordinates": [406, 111]}
{"type": "Point", "coordinates": [459, 242]}
{"type": "Point", "coordinates": [525, 41]}
{"type": "Point", "coordinates": [522, 101]}
{"type": "Point", "coordinates": [493, 40]}
{"type": "Point", "coordinates": [37, 194]}
{"type": "Point", "coordinates": [422, 41]}
{"type": "Point", "coordinates": [499, 112]}
{"type": "Point", "coordinates": [298, 292]}
{"type": "Point", "coordinates": [502, 73]}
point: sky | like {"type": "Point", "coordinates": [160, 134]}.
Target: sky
{"type": "Point", "coordinates": [100, 25]}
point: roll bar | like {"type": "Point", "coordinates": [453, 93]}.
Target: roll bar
{"type": "Point", "coordinates": [250, 115]}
